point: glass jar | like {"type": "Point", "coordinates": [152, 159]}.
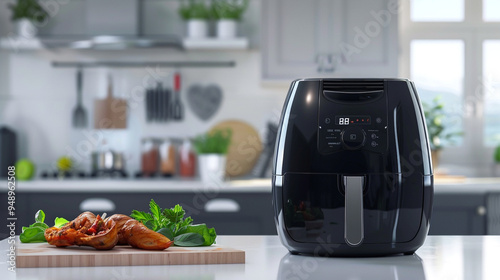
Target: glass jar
{"type": "Point", "coordinates": [167, 158]}
{"type": "Point", "coordinates": [149, 157]}
{"type": "Point", "coordinates": [187, 159]}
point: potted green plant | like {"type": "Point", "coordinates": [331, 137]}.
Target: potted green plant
{"type": "Point", "coordinates": [434, 115]}
{"type": "Point", "coordinates": [212, 148]}
{"type": "Point", "coordinates": [196, 13]}
{"type": "Point", "coordinates": [64, 165]}
{"type": "Point", "coordinates": [26, 14]}
{"type": "Point", "coordinates": [228, 13]}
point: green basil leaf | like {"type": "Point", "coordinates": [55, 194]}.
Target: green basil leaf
{"type": "Point", "coordinates": [188, 221]}
{"type": "Point", "coordinates": [43, 226]}
{"type": "Point", "coordinates": [155, 210]}
{"type": "Point", "coordinates": [208, 234]}
{"type": "Point", "coordinates": [141, 216]}
{"type": "Point", "coordinates": [32, 235]}
{"type": "Point", "coordinates": [181, 230]}
{"type": "Point", "coordinates": [210, 238]}
{"type": "Point", "coordinates": [166, 232]}
{"type": "Point", "coordinates": [171, 223]}
{"type": "Point", "coordinates": [40, 216]}
{"type": "Point", "coordinates": [151, 225]}
{"type": "Point", "coordinates": [175, 215]}
{"type": "Point", "coordinates": [191, 239]}
{"type": "Point", "coordinates": [59, 222]}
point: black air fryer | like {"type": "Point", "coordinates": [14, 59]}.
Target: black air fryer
{"type": "Point", "coordinates": [352, 172]}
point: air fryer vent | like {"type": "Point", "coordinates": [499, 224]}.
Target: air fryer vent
{"type": "Point", "coordinates": [361, 85]}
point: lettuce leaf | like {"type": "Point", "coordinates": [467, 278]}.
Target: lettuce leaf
{"type": "Point", "coordinates": [208, 234]}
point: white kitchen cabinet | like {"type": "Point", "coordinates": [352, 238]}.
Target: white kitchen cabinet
{"type": "Point", "coordinates": [329, 38]}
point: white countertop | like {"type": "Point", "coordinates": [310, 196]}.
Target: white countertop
{"type": "Point", "coordinates": [159, 185]}
{"type": "Point", "coordinates": [440, 258]}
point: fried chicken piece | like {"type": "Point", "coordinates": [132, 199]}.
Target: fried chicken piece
{"type": "Point", "coordinates": [71, 232]}
{"type": "Point", "coordinates": [84, 220]}
{"type": "Point", "coordinates": [89, 230]}
{"type": "Point", "coordinates": [120, 220]}
{"type": "Point", "coordinates": [139, 236]}
{"type": "Point", "coordinates": [62, 237]}
{"type": "Point", "coordinates": [84, 230]}
{"type": "Point", "coordinates": [105, 239]}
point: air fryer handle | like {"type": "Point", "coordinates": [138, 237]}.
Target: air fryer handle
{"type": "Point", "coordinates": [362, 95]}
{"type": "Point", "coordinates": [353, 227]}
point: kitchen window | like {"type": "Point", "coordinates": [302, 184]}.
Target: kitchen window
{"type": "Point", "coordinates": [452, 48]}
{"type": "Point", "coordinates": [491, 73]}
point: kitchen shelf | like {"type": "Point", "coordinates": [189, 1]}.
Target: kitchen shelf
{"type": "Point", "coordinates": [121, 43]}
{"type": "Point", "coordinates": [215, 44]}
{"type": "Point", "coordinates": [131, 64]}
{"type": "Point", "coordinates": [15, 43]}
{"type": "Point", "coordinates": [91, 42]}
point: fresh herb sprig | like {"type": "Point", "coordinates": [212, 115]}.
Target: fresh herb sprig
{"type": "Point", "coordinates": [172, 224]}
{"type": "Point", "coordinates": [229, 9]}
{"type": "Point", "coordinates": [194, 9]}
{"type": "Point", "coordinates": [28, 9]}
{"type": "Point", "coordinates": [36, 232]}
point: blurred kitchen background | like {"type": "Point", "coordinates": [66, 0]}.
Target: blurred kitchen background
{"type": "Point", "coordinates": [140, 51]}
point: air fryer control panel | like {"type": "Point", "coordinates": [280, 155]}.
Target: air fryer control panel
{"type": "Point", "coordinates": [350, 126]}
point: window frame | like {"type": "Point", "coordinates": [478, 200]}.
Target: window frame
{"type": "Point", "coordinates": [472, 154]}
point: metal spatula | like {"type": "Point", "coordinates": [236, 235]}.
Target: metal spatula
{"type": "Point", "coordinates": [79, 114]}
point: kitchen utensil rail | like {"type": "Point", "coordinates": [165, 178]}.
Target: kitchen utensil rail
{"type": "Point", "coordinates": [131, 64]}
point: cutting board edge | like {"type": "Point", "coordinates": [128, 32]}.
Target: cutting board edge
{"type": "Point", "coordinates": [192, 258]}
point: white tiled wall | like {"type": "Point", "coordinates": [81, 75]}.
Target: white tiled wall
{"type": "Point", "coordinates": [37, 101]}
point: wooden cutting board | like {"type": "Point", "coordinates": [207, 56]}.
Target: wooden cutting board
{"type": "Point", "coordinates": [245, 147]}
{"type": "Point", "coordinates": [110, 112]}
{"type": "Point", "coordinates": [45, 255]}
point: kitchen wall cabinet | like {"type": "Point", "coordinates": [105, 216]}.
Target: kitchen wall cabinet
{"type": "Point", "coordinates": [459, 214]}
{"type": "Point", "coordinates": [79, 18]}
{"type": "Point", "coordinates": [254, 216]}
{"type": "Point", "coordinates": [157, 21]}
{"type": "Point", "coordinates": [329, 38]}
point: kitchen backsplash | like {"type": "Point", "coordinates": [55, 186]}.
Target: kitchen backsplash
{"type": "Point", "coordinates": [37, 100]}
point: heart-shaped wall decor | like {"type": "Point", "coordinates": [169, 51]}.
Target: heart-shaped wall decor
{"type": "Point", "coordinates": [204, 101]}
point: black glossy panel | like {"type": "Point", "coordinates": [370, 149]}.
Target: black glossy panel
{"type": "Point", "coordinates": [314, 207]}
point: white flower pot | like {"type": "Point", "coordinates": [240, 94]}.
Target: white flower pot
{"type": "Point", "coordinates": [496, 170]}
{"type": "Point", "coordinates": [197, 28]}
{"type": "Point", "coordinates": [212, 169]}
{"type": "Point", "coordinates": [25, 28]}
{"type": "Point", "coordinates": [226, 28]}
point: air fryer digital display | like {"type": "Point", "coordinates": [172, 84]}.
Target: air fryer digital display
{"type": "Point", "coordinates": [352, 126]}
{"type": "Point", "coordinates": [348, 120]}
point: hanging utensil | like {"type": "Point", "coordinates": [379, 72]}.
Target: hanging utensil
{"type": "Point", "coordinates": [159, 101]}
{"type": "Point", "coordinates": [164, 109]}
{"type": "Point", "coordinates": [166, 104]}
{"type": "Point", "coordinates": [79, 114]}
{"type": "Point", "coordinates": [177, 108]}
{"type": "Point", "coordinates": [149, 111]}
